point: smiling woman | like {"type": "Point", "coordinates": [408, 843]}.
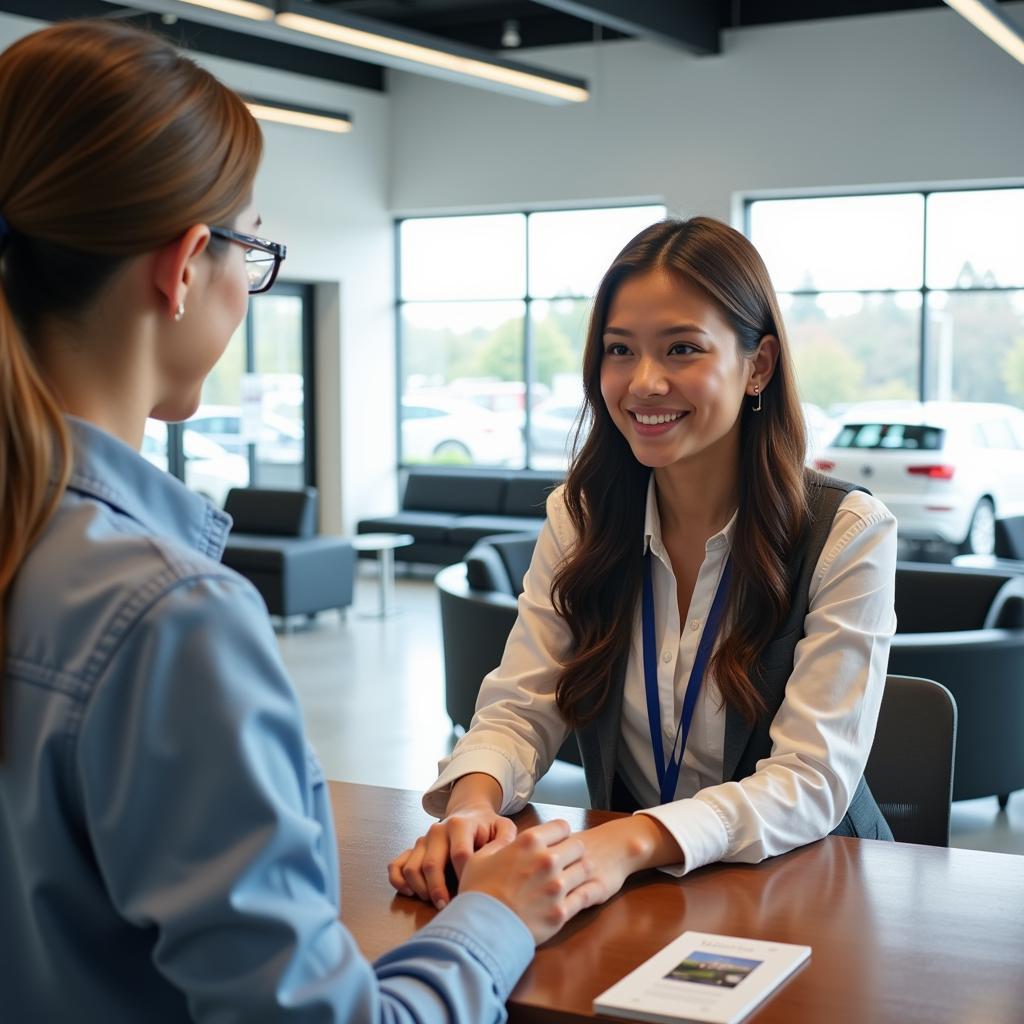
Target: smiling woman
{"type": "Point", "coordinates": [710, 619]}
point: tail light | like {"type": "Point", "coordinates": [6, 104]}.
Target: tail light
{"type": "Point", "coordinates": [938, 472]}
{"type": "Point", "coordinates": [824, 465]}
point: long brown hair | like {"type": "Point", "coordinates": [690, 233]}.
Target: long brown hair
{"type": "Point", "coordinates": [597, 587]}
{"type": "Point", "coordinates": [111, 145]}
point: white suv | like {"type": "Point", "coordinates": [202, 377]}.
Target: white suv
{"type": "Point", "coordinates": [945, 469]}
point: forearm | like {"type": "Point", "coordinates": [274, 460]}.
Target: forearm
{"type": "Point", "coordinates": [646, 842]}
{"type": "Point", "coordinates": [623, 846]}
{"type": "Point", "coordinates": [475, 790]}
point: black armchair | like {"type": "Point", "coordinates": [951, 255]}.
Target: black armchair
{"type": "Point", "coordinates": [273, 544]}
{"type": "Point", "coordinates": [964, 628]}
{"type": "Point", "coordinates": [478, 609]}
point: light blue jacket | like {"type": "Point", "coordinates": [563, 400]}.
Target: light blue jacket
{"type": "Point", "coordinates": [166, 845]}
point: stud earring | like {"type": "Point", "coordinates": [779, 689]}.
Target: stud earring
{"type": "Point", "coordinates": [180, 311]}
{"type": "Point", "coordinates": [757, 395]}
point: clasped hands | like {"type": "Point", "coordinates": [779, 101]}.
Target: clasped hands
{"type": "Point", "coordinates": [545, 874]}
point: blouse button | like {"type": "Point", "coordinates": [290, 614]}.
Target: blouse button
{"type": "Point", "coordinates": [694, 623]}
{"type": "Point", "coordinates": [667, 657]}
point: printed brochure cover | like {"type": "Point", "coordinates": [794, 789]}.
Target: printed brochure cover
{"type": "Point", "coordinates": [710, 979]}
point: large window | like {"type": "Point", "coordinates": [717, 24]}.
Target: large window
{"type": "Point", "coordinates": [909, 297]}
{"type": "Point", "coordinates": [492, 313]}
{"type": "Point", "coordinates": [917, 295]}
{"type": "Point", "coordinates": [254, 423]}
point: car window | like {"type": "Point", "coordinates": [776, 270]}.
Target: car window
{"type": "Point", "coordinates": [421, 412]}
{"type": "Point", "coordinates": [898, 436]}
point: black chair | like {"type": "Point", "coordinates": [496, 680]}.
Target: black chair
{"type": "Point", "coordinates": [478, 609]}
{"type": "Point", "coordinates": [964, 628]}
{"type": "Point", "coordinates": [910, 768]}
{"type": "Point", "coordinates": [1010, 539]}
{"type": "Point", "coordinates": [273, 544]}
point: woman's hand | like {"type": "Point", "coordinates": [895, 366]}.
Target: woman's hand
{"type": "Point", "coordinates": [421, 870]}
{"type": "Point", "coordinates": [543, 876]}
{"type": "Point", "coordinates": [618, 848]}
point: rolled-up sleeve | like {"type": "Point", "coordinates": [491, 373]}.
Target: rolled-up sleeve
{"type": "Point", "coordinates": [517, 729]}
{"type": "Point", "coordinates": [201, 806]}
{"type": "Point", "coordinates": [823, 731]}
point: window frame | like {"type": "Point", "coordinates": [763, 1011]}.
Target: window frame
{"type": "Point", "coordinates": [924, 365]}
{"type": "Point", "coordinates": [176, 431]}
{"type": "Point", "coordinates": [527, 298]}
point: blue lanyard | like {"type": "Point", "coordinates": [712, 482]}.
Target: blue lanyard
{"type": "Point", "coordinates": [668, 775]}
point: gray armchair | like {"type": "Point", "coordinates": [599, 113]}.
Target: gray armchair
{"type": "Point", "coordinates": [273, 544]}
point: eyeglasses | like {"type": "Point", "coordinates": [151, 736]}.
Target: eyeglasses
{"type": "Point", "coordinates": [263, 259]}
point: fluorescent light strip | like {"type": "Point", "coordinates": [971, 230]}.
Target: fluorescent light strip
{"type": "Point", "coordinates": [241, 8]}
{"type": "Point", "coordinates": [433, 58]}
{"type": "Point", "coordinates": [300, 118]}
{"type": "Point", "coordinates": [993, 24]}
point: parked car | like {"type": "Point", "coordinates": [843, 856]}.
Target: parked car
{"type": "Point", "coordinates": [210, 470]}
{"type": "Point", "coordinates": [821, 429]}
{"type": "Point", "coordinates": [552, 424]}
{"type": "Point", "coordinates": [945, 469]}
{"type": "Point", "coordinates": [280, 438]}
{"type": "Point", "coordinates": [457, 432]}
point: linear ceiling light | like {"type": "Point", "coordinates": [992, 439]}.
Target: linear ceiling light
{"type": "Point", "coordinates": [993, 23]}
{"type": "Point", "coordinates": [240, 8]}
{"type": "Point", "coordinates": [410, 51]}
{"type": "Point", "coordinates": [301, 117]}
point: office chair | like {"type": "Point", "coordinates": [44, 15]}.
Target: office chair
{"type": "Point", "coordinates": [910, 768]}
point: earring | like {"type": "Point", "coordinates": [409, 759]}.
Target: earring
{"type": "Point", "coordinates": [757, 395]}
{"type": "Point", "coordinates": [180, 311]}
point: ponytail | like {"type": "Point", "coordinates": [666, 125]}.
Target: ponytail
{"type": "Point", "coordinates": [35, 461]}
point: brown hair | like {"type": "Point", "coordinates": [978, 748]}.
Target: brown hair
{"type": "Point", "coordinates": [597, 587]}
{"type": "Point", "coordinates": [111, 145]}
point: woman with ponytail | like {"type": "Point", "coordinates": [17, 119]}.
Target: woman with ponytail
{"type": "Point", "coordinates": [710, 618]}
{"type": "Point", "coordinates": [166, 845]}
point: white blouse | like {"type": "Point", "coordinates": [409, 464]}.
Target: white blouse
{"type": "Point", "coordinates": [821, 734]}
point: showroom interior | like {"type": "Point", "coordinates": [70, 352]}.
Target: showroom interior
{"type": "Point", "coordinates": [444, 246]}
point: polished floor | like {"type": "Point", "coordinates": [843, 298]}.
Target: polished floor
{"type": "Point", "coordinates": [373, 695]}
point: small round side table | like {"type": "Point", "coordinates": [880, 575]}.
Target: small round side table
{"type": "Point", "coordinates": [384, 544]}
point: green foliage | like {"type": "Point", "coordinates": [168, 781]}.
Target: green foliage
{"type": "Point", "coordinates": [443, 355]}
{"type": "Point", "coordinates": [1013, 370]}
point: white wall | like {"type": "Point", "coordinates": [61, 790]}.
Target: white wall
{"type": "Point", "coordinates": [917, 97]}
{"type": "Point", "coordinates": [325, 196]}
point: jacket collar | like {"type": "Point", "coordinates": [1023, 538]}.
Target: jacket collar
{"type": "Point", "coordinates": [108, 470]}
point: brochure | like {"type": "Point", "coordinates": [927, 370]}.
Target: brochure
{"type": "Point", "coordinates": [710, 979]}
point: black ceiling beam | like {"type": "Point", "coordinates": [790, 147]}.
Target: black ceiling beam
{"type": "Point", "coordinates": [217, 42]}
{"type": "Point", "coordinates": [693, 25]}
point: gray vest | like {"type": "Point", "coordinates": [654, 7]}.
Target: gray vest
{"type": "Point", "coordinates": [746, 744]}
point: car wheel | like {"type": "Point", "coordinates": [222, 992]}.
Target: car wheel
{"type": "Point", "coordinates": [452, 451]}
{"type": "Point", "coordinates": [981, 534]}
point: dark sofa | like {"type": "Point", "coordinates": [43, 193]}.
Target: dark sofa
{"type": "Point", "coordinates": [448, 510]}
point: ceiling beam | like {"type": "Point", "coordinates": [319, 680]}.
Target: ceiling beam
{"type": "Point", "coordinates": [693, 24]}
{"type": "Point", "coordinates": [301, 23]}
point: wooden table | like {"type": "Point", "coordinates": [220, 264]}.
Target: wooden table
{"type": "Point", "coordinates": [898, 933]}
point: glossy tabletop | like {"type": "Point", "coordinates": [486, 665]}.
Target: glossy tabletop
{"type": "Point", "coordinates": [898, 933]}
